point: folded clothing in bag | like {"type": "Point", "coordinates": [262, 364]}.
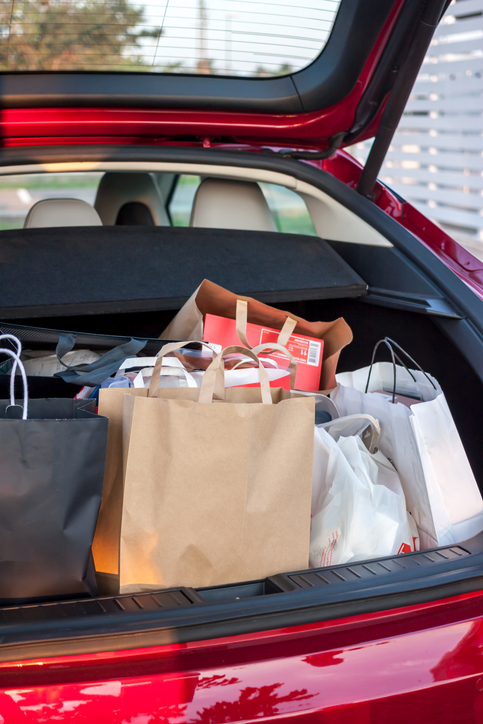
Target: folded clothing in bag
{"type": "Point", "coordinates": [52, 455]}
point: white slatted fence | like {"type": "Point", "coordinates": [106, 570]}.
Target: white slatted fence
{"type": "Point", "coordinates": [436, 157]}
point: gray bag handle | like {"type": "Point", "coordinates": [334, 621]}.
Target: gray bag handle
{"type": "Point", "coordinates": [95, 372]}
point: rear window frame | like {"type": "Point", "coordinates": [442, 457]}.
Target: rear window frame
{"type": "Point", "coordinates": [324, 82]}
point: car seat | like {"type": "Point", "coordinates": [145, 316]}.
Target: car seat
{"type": "Point", "coordinates": [61, 212]}
{"type": "Point", "coordinates": [118, 188]}
{"type": "Point", "coordinates": [134, 214]}
{"type": "Point", "coordinates": [227, 204]}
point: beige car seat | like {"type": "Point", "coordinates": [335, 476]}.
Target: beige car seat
{"type": "Point", "coordinates": [61, 212]}
{"type": "Point", "coordinates": [116, 189]}
{"type": "Point", "coordinates": [226, 204]}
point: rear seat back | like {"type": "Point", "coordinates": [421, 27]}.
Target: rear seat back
{"type": "Point", "coordinates": [226, 204]}
{"type": "Point", "coordinates": [61, 212]}
{"type": "Point", "coordinates": [134, 214]}
{"type": "Point", "coordinates": [118, 189]}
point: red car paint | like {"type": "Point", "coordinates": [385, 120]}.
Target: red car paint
{"type": "Point", "coordinates": [416, 664]}
{"type": "Point", "coordinates": [309, 129]}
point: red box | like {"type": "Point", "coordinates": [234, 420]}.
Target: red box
{"type": "Point", "coordinates": [307, 351]}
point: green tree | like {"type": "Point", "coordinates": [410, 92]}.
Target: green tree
{"type": "Point", "coordinates": [73, 35]}
{"type": "Point", "coordinates": [262, 72]}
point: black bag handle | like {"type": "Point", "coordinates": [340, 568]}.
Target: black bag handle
{"type": "Point", "coordinates": [390, 344]}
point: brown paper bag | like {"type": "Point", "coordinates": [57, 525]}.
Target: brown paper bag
{"type": "Point", "coordinates": [210, 298]}
{"type": "Point", "coordinates": [105, 547]}
{"type": "Point", "coordinates": [215, 491]}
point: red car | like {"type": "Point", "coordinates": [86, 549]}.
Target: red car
{"type": "Point", "coordinates": [390, 640]}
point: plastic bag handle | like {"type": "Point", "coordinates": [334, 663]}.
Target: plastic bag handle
{"type": "Point", "coordinates": [389, 344]}
{"type": "Point", "coordinates": [19, 364]}
{"type": "Point", "coordinates": [242, 321]}
{"type": "Point", "coordinates": [13, 372]}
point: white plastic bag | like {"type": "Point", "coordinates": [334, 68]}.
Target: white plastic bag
{"type": "Point", "coordinates": [248, 376]}
{"type": "Point", "coordinates": [424, 445]}
{"type": "Point", "coordinates": [358, 505]}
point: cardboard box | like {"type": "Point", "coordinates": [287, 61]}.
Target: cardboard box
{"type": "Point", "coordinates": [307, 351]}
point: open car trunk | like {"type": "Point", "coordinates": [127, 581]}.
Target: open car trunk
{"type": "Point", "coordinates": [400, 290]}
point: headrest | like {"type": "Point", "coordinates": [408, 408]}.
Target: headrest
{"type": "Point", "coordinates": [61, 212]}
{"type": "Point", "coordinates": [134, 214]}
{"type": "Point", "coordinates": [225, 204]}
{"type": "Point", "coordinates": [118, 188]}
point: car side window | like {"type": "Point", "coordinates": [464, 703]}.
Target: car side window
{"type": "Point", "coordinates": [288, 209]}
{"type": "Point", "coordinates": [19, 193]}
{"type": "Point", "coordinates": [182, 199]}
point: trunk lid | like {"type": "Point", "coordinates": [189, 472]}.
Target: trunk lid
{"type": "Point", "coordinates": [329, 70]}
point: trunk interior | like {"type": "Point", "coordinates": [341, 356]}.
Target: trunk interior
{"type": "Point", "coordinates": [50, 628]}
{"type": "Point", "coordinates": [387, 295]}
{"type": "Point", "coordinates": [422, 335]}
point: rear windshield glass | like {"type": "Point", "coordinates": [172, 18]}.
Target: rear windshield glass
{"type": "Point", "coordinates": [217, 37]}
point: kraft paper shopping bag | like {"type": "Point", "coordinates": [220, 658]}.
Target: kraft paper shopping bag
{"type": "Point", "coordinates": [213, 299]}
{"type": "Point", "coordinates": [216, 484]}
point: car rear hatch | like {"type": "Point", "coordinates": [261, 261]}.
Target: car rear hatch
{"type": "Point", "coordinates": [343, 60]}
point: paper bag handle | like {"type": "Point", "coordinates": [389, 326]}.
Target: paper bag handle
{"type": "Point", "coordinates": [270, 347]}
{"type": "Point", "coordinates": [171, 347]}
{"type": "Point", "coordinates": [242, 321]}
{"type": "Point", "coordinates": [214, 377]}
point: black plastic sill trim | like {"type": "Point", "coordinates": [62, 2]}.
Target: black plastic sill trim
{"type": "Point", "coordinates": [415, 578]}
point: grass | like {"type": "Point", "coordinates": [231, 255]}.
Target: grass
{"type": "Point", "coordinates": [15, 223]}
